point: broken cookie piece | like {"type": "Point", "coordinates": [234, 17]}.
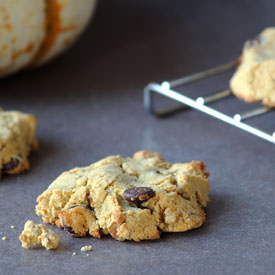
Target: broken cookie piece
{"type": "Point", "coordinates": [34, 234]}
{"type": "Point", "coordinates": [129, 198]}
{"type": "Point", "coordinates": [254, 79]}
{"type": "Point", "coordinates": [17, 139]}
{"type": "Point", "coordinates": [79, 220]}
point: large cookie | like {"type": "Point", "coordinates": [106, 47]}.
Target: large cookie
{"type": "Point", "coordinates": [17, 138]}
{"type": "Point", "coordinates": [129, 198]}
{"type": "Point", "coordinates": [254, 80]}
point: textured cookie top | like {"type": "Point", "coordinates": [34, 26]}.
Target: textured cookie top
{"type": "Point", "coordinates": [255, 78]}
{"type": "Point", "coordinates": [17, 138]}
{"type": "Point", "coordinates": [129, 198]}
{"type": "Point", "coordinates": [15, 122]}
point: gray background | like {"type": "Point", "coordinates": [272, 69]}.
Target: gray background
{"type": "Point", "coordinates": [89, 104]}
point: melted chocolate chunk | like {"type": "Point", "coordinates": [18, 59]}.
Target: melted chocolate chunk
{"type": "Point", "coordinates": [75, 205]}
{"type": "Point", "coordinates": [81, 205]}
{"type": "Point", "coordinates": [68, 228]}
{"type": "Point", "coordinates": [91, 208]}
{"type": "Point", "coordinates": [12, 164]}
{"type": "Point", "coordinates": [138, 195]}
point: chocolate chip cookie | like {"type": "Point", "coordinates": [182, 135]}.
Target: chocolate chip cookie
{"type": "Point", "coordinates": [129, 198]}
{"type": "Point", "coordinates": [254, 79]}
{"type": "Point", "coordinates": [17, 139]}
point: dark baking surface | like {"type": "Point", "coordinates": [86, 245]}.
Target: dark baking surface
{"type": "Point", "coordinates": [89, 105]}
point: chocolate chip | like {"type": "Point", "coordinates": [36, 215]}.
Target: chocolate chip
{"type": "Point", "coordinates": [91, 208]}
{"type": "Point", "coordinates": [158, 172]}
{"type": "Point", "coordinates": [81, 205]}
{"type": "Point", "coordinates": [68, 228]}
{"type": "Point", "coordinates": [138, 195]}
{"type": "Point", "coordinates": [12, 164]}
{"type": "Point", "coordinates": [73, 206]}
{"type": "Point", "coordinates": [76, 205]}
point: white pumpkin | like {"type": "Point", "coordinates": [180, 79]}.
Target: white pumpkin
{"type": "Point", "coordinates": [34, 31]}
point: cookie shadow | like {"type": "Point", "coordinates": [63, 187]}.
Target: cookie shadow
{"type": "Point", "coordinates": [215, 209]}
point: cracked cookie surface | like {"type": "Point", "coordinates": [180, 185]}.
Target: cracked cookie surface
{"type": "Point", "coordinates": [17, 139]}
{"type": "Point", "coordinates": [254, 79]}
{"type": "Point", "coordinates": [129, 198]}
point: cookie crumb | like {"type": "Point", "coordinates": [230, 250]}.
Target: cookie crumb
{"type": "Point", "coordinates": [12, 227]}
{"type": "Point", "coordinates": [4, 238]}
{"type": "Point", "coordinates": [34, 234]}
{"type": "Point", "coordinates": [87, 254]}
{"type": "Point", "coordinates": [86, 248]}
{"type": "Point", "coordinates": [74, 253]}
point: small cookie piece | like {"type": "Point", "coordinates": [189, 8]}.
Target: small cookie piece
{"type": "Point", "coordinates": [17, 139]}
{"type": "Point", "coordinates": [129, 198]}
{"type": "Point", "coordinates": [86, 248]}
{"type": "Point", "coordinates": [34, 234]}
{"type": "Point", "coordinates": [254, 79]}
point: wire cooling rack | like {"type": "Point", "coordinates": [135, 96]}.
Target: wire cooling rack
{"type": "Point", "coordinates": [167, 89]}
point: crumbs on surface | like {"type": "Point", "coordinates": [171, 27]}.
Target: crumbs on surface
{"type": "Point", "coordinates": [86, 248]}
{"type": "Point", "coordinates": [12, 227]}
{"type": "Point", "coordinates": [4, 238]}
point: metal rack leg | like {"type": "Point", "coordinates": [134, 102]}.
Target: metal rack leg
{"type": "Point", "coordinates": [200, 106]}
{"type": "Point", "coordinates": [149, 105]}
